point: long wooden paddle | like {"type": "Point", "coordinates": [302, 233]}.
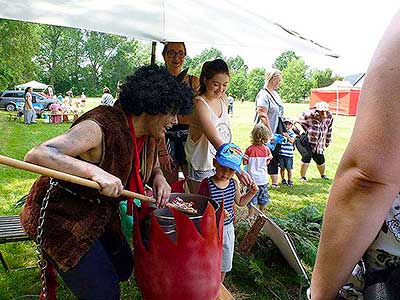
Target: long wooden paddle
{"type": "Point", "coordinates": [11, 162]}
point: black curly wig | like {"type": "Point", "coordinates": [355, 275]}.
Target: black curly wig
{"type": "Point", "coordinates": [153, 90]}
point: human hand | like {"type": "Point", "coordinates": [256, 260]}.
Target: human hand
{"type": "Point", "coordinates": [253, 188]}
{"type": "Point", "coordinates": [111, 186]}
{"type": "Point", "coordinates": [285, 134]}
{"type": "Point", "coordinates": [161, 190]}
{"type": "Point", "coordinates": [244, 178]}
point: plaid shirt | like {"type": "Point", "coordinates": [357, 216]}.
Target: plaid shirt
{"type": "Point", "coordinates": [319, 132]}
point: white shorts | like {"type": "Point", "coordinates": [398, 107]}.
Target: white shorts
{"type": "Point", "coordinates": [228, 247]}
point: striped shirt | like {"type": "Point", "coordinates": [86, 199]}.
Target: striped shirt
{"type": "Point", "coordinates": [107, 99]}
{"type": "Point", "coordinates": [319, 132]}
{"type": "Point", "coordinates": [287, 148]}
{"type": "Point", "coordinates": [227, 194]}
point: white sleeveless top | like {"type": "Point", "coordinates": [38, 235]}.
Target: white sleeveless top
{"type": "Point", "coordinates": [384, 252]}
{"type": "Point", "coordinates": [200, 153]}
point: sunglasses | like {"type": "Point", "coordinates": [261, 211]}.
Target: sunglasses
{"type": "Point", "coordinates": [172, 53]}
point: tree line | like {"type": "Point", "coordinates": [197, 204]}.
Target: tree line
{"type": "Point", "coordinates": [86, 61]}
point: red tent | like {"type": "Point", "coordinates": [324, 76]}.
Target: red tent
{"type": "Point", "coordinates": [341, 96]}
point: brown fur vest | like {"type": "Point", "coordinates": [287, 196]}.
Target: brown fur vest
{"type": "Point", "coordinates": [75, 220]}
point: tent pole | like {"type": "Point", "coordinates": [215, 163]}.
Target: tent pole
{"type": "Point", "coordinates": [337, 101]}
{"type": "Point", "coordinates": [153, 52]}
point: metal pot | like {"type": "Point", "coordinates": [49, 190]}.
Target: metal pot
{"type": "Point", "coordinates": [167, 221]}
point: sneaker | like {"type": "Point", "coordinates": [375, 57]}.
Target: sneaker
{"type": "Point", "coordinates": [284, 182]}
{"type": "Point", "coordinates": [290, 183]}
{"type": "Point", "coordinates": [275, 186]}
{"type": "Point", "coordinates": [303, 179]}
{"type": "Point", "coordinates": [324, 177]}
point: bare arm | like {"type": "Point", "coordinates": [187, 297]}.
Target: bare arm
{"type": "Point", "coordinates": [242, 200]}
{"type": "Point", "coordinates": [206, 124]}
{"type": "Point", "coordinates": [84, 140]}
{"type": "Point", "coordinates": [262, 114]}
{"type": "Point", "coordinates": [290, 139]}
{"type": "Point", "coordinates": [367, 180]}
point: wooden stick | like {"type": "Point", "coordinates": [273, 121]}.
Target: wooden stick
{"type": "Point", "coordinates": [11, 162]}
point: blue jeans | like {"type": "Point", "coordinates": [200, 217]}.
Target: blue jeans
{"type": "Point", "coordinates": [98, 273]}
{"type": "Point", "coordinates": [262, 197]}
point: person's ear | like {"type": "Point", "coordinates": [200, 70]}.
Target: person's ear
{"type": "Point", "coordinates": [215, 163]}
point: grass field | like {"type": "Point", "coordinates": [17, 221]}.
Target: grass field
{"type": "Point", "coordinates": [17, 138]}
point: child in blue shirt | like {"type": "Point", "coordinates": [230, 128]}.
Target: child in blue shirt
{"type": "Point", "coordinates": [222, 186]}
{"type": "Point", "coordinates": [286, 153]}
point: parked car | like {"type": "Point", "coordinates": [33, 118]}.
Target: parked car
{"type": "Point", "coordinates": [37, 106]}
{"type": "Point", "coordinates": [10, 99]}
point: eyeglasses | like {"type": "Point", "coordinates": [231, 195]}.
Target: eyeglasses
{"type": "Point", "coordinates": [172, 53]}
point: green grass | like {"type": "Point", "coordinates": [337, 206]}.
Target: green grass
{"type": "Point", "coordinates": [17, 138]}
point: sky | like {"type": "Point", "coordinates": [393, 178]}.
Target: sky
{"type": "Point", "coordinates": [351, 28]}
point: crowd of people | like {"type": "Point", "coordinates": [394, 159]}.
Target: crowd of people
{"type": "Point", "coordinates": [165, 121]}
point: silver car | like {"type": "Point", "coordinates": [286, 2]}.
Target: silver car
{"type": "Point", "coordinates": [10, 100]}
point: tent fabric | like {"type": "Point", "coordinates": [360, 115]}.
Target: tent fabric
{"type": "Point", "coordinates": [222, 22]}
{"type": "Point", "coordinates": [33, 84]}
{"type": "Point", "coordinates": [341, 96]}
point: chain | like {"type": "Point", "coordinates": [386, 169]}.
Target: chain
{"type": "Point", "coordinates": [42, 262]}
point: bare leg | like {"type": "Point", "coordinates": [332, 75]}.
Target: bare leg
{"type": "Point", "coordinates": [289, 174]}
{"type": "Point", "coordinates": [262, 207]}
{"type": "Point", "coordinates": [223, 276]}
{"type": "Point", "coordinates": [282, 173]}
{"type": "Point", "coordinates": [321, 169]}
{"type": "Point", "coordinates": [274, 178]}
{"type": "Point", "coordinates": [303, 169]}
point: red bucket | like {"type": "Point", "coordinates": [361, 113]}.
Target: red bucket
{"type": "Point", "coordinates": [182, 256]}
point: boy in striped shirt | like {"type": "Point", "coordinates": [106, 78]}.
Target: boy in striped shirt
{"type": "Point", "coordinates": [223, 187]}
{"type": "Point", "coordinates": [286, 153]}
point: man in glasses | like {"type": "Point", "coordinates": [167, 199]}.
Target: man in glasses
{"type": "Point", "coordinates": [172, 153]}
{"type": "Point", "coordinates": [317, 122]}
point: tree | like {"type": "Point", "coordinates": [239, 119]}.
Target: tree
{"type": "Point", "coordinates": [281, 62]}
{"type": "Point", "coordinates": [236, 64]}
{"type": "Point", "coordinates": [19, 44]}
{"type": "Point", "coordinates": [237, 84]}
{"type": "Point", "coordinates": [99, 49]}
{"type": "Point", "coordinates": [60, 57]}
{"type": "Point", "coordinates": [195, 64]}
{"type": "Point", "coordinates": [129, 57]}
{"type": "Point", "coordinates": [296, 84]}
{"type": "Point", "coordinates": [255, 82]}
{"type": "Point", "coordinates": [321, 78]}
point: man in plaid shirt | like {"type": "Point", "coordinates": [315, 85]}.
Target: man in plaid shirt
{"type": "Point", "coordinates": [317, 122]}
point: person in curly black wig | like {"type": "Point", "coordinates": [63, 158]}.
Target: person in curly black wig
{"type": "Point", "coordinates": [153, 90]}
{"type": "Point", "coordinates": [116, 147]}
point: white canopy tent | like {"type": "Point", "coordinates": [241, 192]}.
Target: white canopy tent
{"type": "Point", "coordinates": [33, 84]}
{"type": "Point", "coordinates": [223, 22]}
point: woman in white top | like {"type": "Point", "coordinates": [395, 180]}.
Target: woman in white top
{"type": "Point", "coordinates": [210, 126]}
{"type": "Point", "coordinates": [269, 110]}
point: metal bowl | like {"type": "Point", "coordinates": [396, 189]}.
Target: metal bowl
{"type": "Point", "coordinates": [167, 221]}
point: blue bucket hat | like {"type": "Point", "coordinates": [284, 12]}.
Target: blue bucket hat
{"type": "Point", "coordinates": [230, 155]}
